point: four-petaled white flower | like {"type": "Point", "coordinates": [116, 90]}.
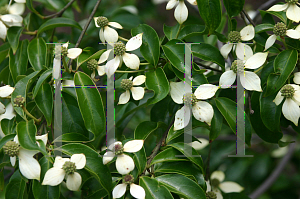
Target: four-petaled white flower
{"type": "Point", "coordinates": [29, 167]}
{"type": "Point", "coordinates": [202, 110]}
{"type": "Point", "coordinates": [106, 33]}
{"type": "Point", "coordinates": [292, 10]}
{"type": "Point", "coordinates": [235, 38]}
{"type": "Point", "coordinates": [5, 91]}
{"type": "Point", "coordinates": [137, 92]}
{"type": "Point", "coordinates": [66, 167]}
{"type": "Point", "coordinates": [17, 8]}
{"type": "Point", "coordinates": [181, 11]}
{"type": "Point", "coordinates": [290, 107]}
{"type": "Point", "coordinates": [131, 60]}
{"type": "Point", "coordinates": [281, 30]}
{"type": "Point", "coordinates": [124, 163]}
{"type": "Point", "coordinates": [249, 80]}
{"type": "Point", "coordinates": [7, 21]}
{"type": "Point", "coordinates": [135, 190]}
{"type": "Point", "coordinates": [217, 178]}
{"type": "Point", "coordinates": [72, 53]}
{"type": "Point", "coordinates": [9, 114]}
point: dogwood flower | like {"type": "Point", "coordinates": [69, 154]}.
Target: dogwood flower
{"type": "Point", "coordinates": [137, 92]}
{"type": "Point", "coordinates": [250, 80]}
{"type": "Point", "coordinates": [7, 21]}
{"type": "Point", "coordinates": [106, 33]}
{"type": "Point", "coordinates": [297, 77]}
{"type": "Point", "coordinates": [181, 11]}
{"type": "Point", "coordinates": [198, 145]}
{"type": "Point", "coordinates": [290, 108]}
{"type": "Point", "coordinates": [281, 30]}
{"type": "Point", "coordinates": [291, 9]}
{"type": "Point", "coordinates": [2, 108]}
{"type": "Point", "coordinates": [201, 110]}
{"type": "Point", "coordinates": [124, 163]}
{"type": "Point", "coordinates": [217, 178]}
{"type": "Point", "coordinates": [5, 91]}
{"type": "Point", "coordinates": [135, 190]}
{"type": "Point", "coordinates": [17, 8]}
{"type": "Point", "coordinates": [9, 114]}
{"type": "Point", "coordinates": [131, 60]}
{"type": "Point", "coordinates": [72, 53]}
{"type": "Point", "coordinates": [29, 167]}
{"type": "Point", "coordinates": [235, 38]}
{"type": "Point", "coordinates": [66, 167]}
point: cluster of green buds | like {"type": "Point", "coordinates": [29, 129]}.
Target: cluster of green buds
{"type": "Point", "coordinates": [189, 100]}
{"type": "Point", "coordinates": [3, 10]}
{"type": "Point", "coordinates": [119, 48]}
{"type": "Point", "coordinates": [118, 149]}
{"type": "Point", "coordinates": [64, 51]}
{"type": "Point", "coordinates": [92, 64]}
{"type": "Point", "coordinates": [234, 37]}
{"type": "Point", "coordinates": [102, 21]}
{"type": "Point", "coordinates": [280, 29]}
{"type": "Point", "coordinates": [211, 195]}
{"type": "Point", "coordinates": [287, 91]}
{"type": "Point", "coordinates": [291, 1]}
{"type": "Point", "coordinates": [237, 66]}
{"type": "Point", "coordinates": [215, 182]}
{"type": "Point", "coordinates": [19, 101]}
{"type": "Point", "coordinates": [69, 167]}
{"type": "Point", "coordinates": [11, 148]}
{"type": "Point", "coordinates": [126, 84]}
{"type": "Point", "coordinates": [128, 179]}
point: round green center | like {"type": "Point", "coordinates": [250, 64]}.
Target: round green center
{"type": "Point", "coordinates": [3, 10]}
{"type": "Point", "coordinates": [234, 37]}
{"type": "Point", "coordinates": [11, 148]}
{"type": "Point", "coordinates": [92, 64]}
{"type": "Point", "coordinates": [126, 84]}
{"type": "Point", "coordinates": [215, 182]}
{"type": "Point", "coordinates": [287, 91]}
{"type": "Point", "coordinates": [128, 179]}
{"type": "Point", "coordinates": [118, 149]}
{"type": "Point", "coordinates": [211, 195]}
{"type": "Point", "coordinates": [280, 29]}
{"type": "Point", "coordinates": [119, 49]}
{"type": "Point", "coordinates": [102, 22]}
{"type": "Point", "coordinates": [189, 99]}
{"type": "Point", "coordinates": [237, 66]}
{"type": "Point", "coordinates": [291, 1]}
{"type": "Point", "coordinates": [19, 101]}
{"type": "Point", "coordinates": [64, 51]}
{"type": "Point", "coordinates": [69, 167]}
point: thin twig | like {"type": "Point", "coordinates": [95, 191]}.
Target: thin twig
{"type": "Point", "coordinates": [207, 67]}
{"type": "Point", "coordinates": [262, 7]}
{"type": "Point", "coordinates": [249, 101]}
{"type": "Point", "coordinates": [248, 17]}
{"type": "Point", "coordinates": [60, 12]}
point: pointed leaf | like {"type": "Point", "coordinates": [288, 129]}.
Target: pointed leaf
{"type": "Point", "coordinates": [37, 52]}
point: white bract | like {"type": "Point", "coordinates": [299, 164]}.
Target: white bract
{"type": "Point", "coordinates": [131, 60]}
{"type": "Point", "coordinates": [66, 168]}
{"type": "Point", "coordinates": [9, 114]}
{"type": "Point", "coordinates": [124, 163]}
{"type": "Point", "coordinates": [216, 183]}
{"type": "Point", "coordinates": [135, 190]}
{"type": "Point", "coordinates": [250, 80]}
{"type": "Point", "coordinates": [201, 110]}
{"type": "Point", "coordinates": [291, 9]}
{"type": "Point", "coordinates": [137, 92]}
{"type": "Point", "coordinates": [290, 107]}
{"type": "Point", "coordinates": [106, 33]}
{"type": "Point", "coordinates": [181, 12]}
{"type": "Point", "coordinates": [7, 21]}
{"type": "Point", "coordinates": [29, 167]}
{"type": "Point", "coordinates": [72, 53]}
{"type": "Point", "coordinates": [17, 8]}
{"type": "Point", "coordinates": [297, 77]}
{"type": "Point", "coordinates": [281, 30]}
{"type": "Point", "coordinates": [198, 145]}
{"type": "Point", "coordinates": [235, 38]}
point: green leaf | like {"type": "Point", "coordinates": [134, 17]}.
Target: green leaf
{"type": "Point", "coordinates": [150, 47]}
{"type": "Point", "coordinates": [6, 139]}
{"type": "Point", "coordinates": [37, 52]}
{"type": "Point", "coordinates": [158, 82]}
{"type": "Point", "coordinates": [216, 124]}
{"type": "Point", "coordinates": [210, 11]}
{"type": "Point", "coordinates": [30, 7]}
{"type": "Point", "coordinates": [13, 37]}
{"type": "Point", "coordinates": [263, 28]}
{"type": "Point", "coordinates": [144, 129]}
{"type": "Point", "coordinates": [140, 160]}
{"type": "Point", "coordinates": [58, 22]}
{"type": "Point", "coordinates": [26, 134]}
{"type": "Point", "coordinates": [44, 101]}
{"type": "Point", "coordinates": [21, 89]}
{"type": "Point", "coordinates": [16, 187]}
{"type": "Point", "coordinates": [71, 137]}
{"type": "Point", "coordinates": [234, 7]}
{"type": "Point", "coordinates": [191, 31]}
{"type": "Point", "coordinates": [82, 58]}
{"type": "Point", "coordinates": [174, 183]}
{"type": "Point", "coordinates": [284, 64]}
{"type": "Point", "coordinates": [281, 15]}
{"type": "Point", "coordinates": [18, 61]}
{"type": "Point", "coordinates": [171, 31]}
{"type": "Point", "coordinates": [41, 80]}
{"type": "Point", "coordinates": [7, 125]}
{"type": "Point", "coordinates": [94, 164]}
{"type": "Point", "coordinates": [168, 155]}
{"type": "Point", "coordinates": [90, 104]}
{"type": "Point", "coordinates": [4, 49]}
{"type": "Point", "coordinates": [175, 53]}
{"type": "Point", "coordinates": [153, 189]}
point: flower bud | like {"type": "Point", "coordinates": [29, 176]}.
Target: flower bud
{"type": "Point", "coordinates": [11, 148]}
{"type": "Point", "coordinates": [234, 37]}
{"type": "Point", "coordinates": [126, 84]}
{"type": "Point", "coordinates": [92, 64]}
{"type": "Point", "coordinates": [291, 1]}
{"type": "Point", "coordinates": [102, 21]}
{"type": "Point", "coordinates": [280, 29]}
{"type": "Point", "coordinates": [237, 66]}
{"type": "Point", "coordinates": [211, 195]}
{"type": "Point", "coordinates": [128, 179]}
{"type": "Point", "coordinates": [19, 101]}
{"type": "Point", "coordinates": [118, 149]}
{"type": "Point", "coordinates": [119, 49]}
{"type": "Point", "coordinates": [287, 91]}
{"type": "Point", "coordinates": [190, 100]}
{"type": "Point", "coordinates": [69, 167]}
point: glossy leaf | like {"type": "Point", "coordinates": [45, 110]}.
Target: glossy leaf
{"type": "Point", "coordinates": [175, 53]}
{"type": "Point", "coordinates": [234, 7]}
{"type": "Point", "coordinates": [58, 22]}
{"type": "Point", "coordinates": [153, 189]}
{"type": "Point", "coordinates": [16, 187]}
{"type": "Point", "coordinates": [144, 129]}
{"type": "Point", "coordinates": [4, 49]}
{"type": "Point", "coordinates": [41, 80]}
{"type": "Point", "coordinates": [71, 137]}
{"type": "Point", "coordinates": [6, 139]}
{"type": "Point", "coordinates": [191, 31]}
{"type": "Point", "coordinates": [168, 155]}
{"type": "Point", "coordinates": [263, 28]}
{"type": "Point", "coordinates": [37, 52]}
{"type": "Point", "coordinates": [7, 125]}
{"type": "Point", "coordinates": [13, 36]}
{"type": "Point", "coordinates": [82, 58]}
{"type": "Point", "coordinates": [216, 124]}
{"type": "Point", "coordinates": [171, 31]}
{"type": "Point", "coordinates": [140, 160]}
{"type": "Point", "coordinates": [26, 134]}
{"type": "Point", "coordinates": [44, 100]}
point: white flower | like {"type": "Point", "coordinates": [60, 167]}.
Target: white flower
{"type": "Point", "coordinates": [249, 80]}
{"type": "Point", "coordinates": [9, 114]}
{"type": "Point", "coordinates": [280, 29]}
{"type": "Point", "coordinates": [202, 110]}
{"type": "Point", "coordinates": [29, 167]}
{"type": "Point", "coordinates": [106, 33]}
{"type": "Point", "coordinates": [9, 20]}
{"type": "Point", "coordinates": [135, 190]}
{"type": "Point", "coordinates": [72, 53]}
{"type": "Point", "coordinates": [17, 8]}
{"type": "Point", "coordinates": [2, 108]}
{"type": "Point", "coordinates": [290, 108]}
{"type": "Point", "coordinates": [297, 77]}
{"type": "Point", "coordinates": [66, 167]}
{"type": "Point", "coordinates": [137, 92]}
{"type": "Point", "coordinates": [131, 60]}
{"type": "Point", "coordinates": [198, 145]}
{"type": "Point", "coordinates": [242, 50]}
{"type": "Point", "coordinates": [124, 163]}
{"type": "Point", "coordinates": [217, 178]}
{"type": "Point", "coordinates": [291, 9]}
{"type": "Point", "coordinates": [6, 91]}
{"type": "Point", "coordinates": [181, 11]}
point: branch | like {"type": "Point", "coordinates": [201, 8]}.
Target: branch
{"type": "Point", "coordinates": [248, 17]}
{"type": "Point", "coordinates": [207, 67]}
{"type": "Point", "coordinates": [263, 6]}
{"type": "Point", "coordinates": [60, 12]}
